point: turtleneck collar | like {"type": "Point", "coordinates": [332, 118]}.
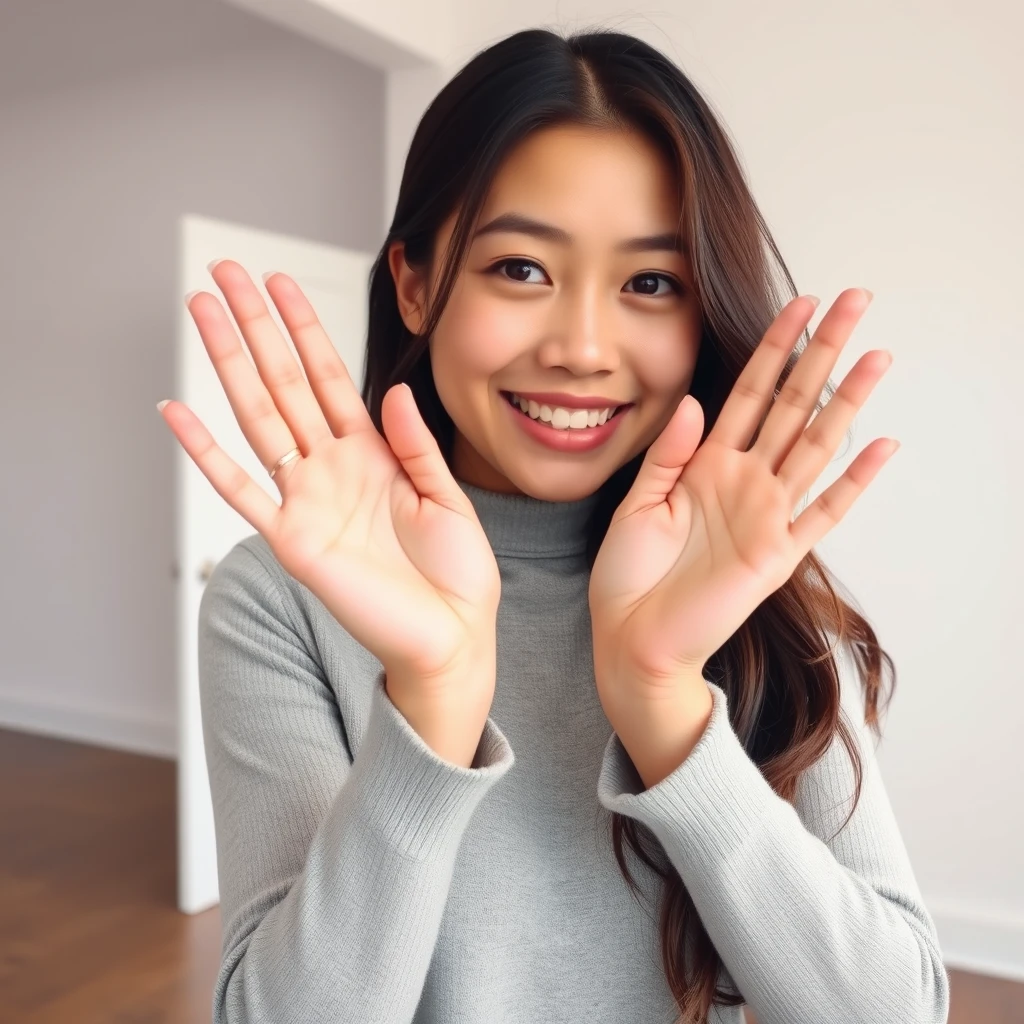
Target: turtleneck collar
{"type": "Point", "coordinates": [527, 527]}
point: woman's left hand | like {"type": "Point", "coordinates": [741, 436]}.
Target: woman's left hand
{"type": "Point", "coordinates": [701, 539]}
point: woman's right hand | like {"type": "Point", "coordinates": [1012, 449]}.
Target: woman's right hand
{"type": "Point", "coordinates": [377, 529]}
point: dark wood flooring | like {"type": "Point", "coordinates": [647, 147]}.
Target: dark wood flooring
{"type": "Point", "coordinates": [89, 931]}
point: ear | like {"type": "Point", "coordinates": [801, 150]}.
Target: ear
{"type": "Point", "coordinates": [409, 288]}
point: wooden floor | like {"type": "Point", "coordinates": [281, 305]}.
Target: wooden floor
{"type": "Point", "coordinates": [89, 932]}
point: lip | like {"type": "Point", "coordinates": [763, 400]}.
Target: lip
{"type": "Point", "coordinates": [568, 401]}
{"type": "Point", "coordinates": [569, 441]}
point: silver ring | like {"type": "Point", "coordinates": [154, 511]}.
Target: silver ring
{"type": "Point", "coordinates": [293, 454]}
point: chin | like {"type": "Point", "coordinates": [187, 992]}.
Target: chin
{"type": "Point", "coordinates": [560, 486]}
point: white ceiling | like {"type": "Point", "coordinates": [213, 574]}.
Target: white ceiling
{"type": "Point", "coordinates": [55, 44]}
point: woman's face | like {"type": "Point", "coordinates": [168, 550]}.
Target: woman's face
{"type": "Point", "coordinates": [575, 312]}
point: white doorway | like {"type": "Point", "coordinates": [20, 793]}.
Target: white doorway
{"type": "Point", "coordinates": [336, 282]}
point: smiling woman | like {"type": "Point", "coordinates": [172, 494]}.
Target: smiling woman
{"type": "Point", "coordinates": [580, 284]}
{"type": "Point", "coordinates": [553, 533]}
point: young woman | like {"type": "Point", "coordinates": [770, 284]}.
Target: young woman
{"type": "Point", "coordinates": [538, 598]}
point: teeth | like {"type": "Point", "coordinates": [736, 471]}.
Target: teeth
{"type": "Point", "coordinates": [563, 419]}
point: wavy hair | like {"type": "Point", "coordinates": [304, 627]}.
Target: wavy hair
{"type": "Point", "coordinates": [779, 669]}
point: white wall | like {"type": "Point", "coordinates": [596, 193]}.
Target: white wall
{"type": "Point", "coordinates": [188, 106]}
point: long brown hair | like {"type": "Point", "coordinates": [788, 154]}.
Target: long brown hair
{"type": "Point", "coordinates": [779, 669]}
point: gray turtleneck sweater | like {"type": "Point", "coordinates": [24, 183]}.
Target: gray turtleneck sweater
{"type": "Point", "coordinates": [365, 880]}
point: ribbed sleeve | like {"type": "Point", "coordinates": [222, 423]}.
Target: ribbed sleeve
{"type": "Point", "coordinates": [810, 928]}
{"type": "Point", "coordinates": [333, 872]}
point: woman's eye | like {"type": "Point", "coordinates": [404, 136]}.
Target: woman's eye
{"type": "Point", "coordinates": [651, 280]}
{"type": "Point", "coordinates": [518, 265]}
{"type": "Point", "coordinates": [648, 287]}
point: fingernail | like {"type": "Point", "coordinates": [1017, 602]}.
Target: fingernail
{"type": "Point", "coordinates": [212, 264]}
{"type": "Point", "coordinates": [870, 295]}
{"type": "Point", "coordinates": [160, 405]}
{"type": "Point", "coordinates": [814, 299]}
{"type": "Point", "coordinates": [191, 295]}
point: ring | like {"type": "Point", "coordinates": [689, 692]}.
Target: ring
{"type": "Point", "coordinates": [293, 454]}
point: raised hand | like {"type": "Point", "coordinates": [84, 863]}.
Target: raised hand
{"type": "Point", "coordinates": [377, 529]}
{"type": "Point", "coordinates": [707, 533]}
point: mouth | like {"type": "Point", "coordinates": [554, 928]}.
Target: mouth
{"type": "Point", "coordinates": [565, 438]}
{"type": "Point", "coordinates": [618, 410]}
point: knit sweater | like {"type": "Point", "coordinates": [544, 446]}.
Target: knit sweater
{"type": "Point", "coordinates": [366, 880]}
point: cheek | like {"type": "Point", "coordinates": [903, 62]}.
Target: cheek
{"type": "Point", "coordinates": [664, 363]}
{"type": "Point", "coordinates": [478, 338]}
{"type": "Point", "coordinates": [664, 370]}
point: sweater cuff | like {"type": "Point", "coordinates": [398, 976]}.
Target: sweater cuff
{"type": "Point", "coordinates": [708, 806]}
{"type": "Point", "coordinates": [413, 798]}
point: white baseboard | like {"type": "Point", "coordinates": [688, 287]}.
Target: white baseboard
{"type": "Point", "coordinates": [102, 727]}
{"type": "Point", "coordinates": [978, 941]}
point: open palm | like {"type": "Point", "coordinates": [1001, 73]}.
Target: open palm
{"type": "Point", "coordinates": [706, 534]}
{"type": "Point", "coordinates": [376, 528]}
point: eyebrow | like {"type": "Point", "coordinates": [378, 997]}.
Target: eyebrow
{"type": "Point", "coordinates": [523, 225]}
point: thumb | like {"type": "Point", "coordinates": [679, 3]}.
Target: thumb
{"type": "Point", "coordinates": [417, 449]}
{"type": "Point", "coordinates": [666, 457]}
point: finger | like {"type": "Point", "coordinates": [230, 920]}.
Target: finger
{"type": "Point", "coordinates": [754, 389]}
{"type": "Point", "coordinates": [229, 480]}
{"type": "Point", "coordinates": [820, 441]}
{"type": "Point", "coordinates": [328, 375]}
{"type": "Point", "coordinates": [801, 393]}
{"type": "Point", "coordinates": [417, 450]}
{"type": "Point", "coordinates": [257, 415]}
{"type": "Point", "coordinates": [278, 369]}
{"type": "Point", "coordinates": [662, 465]}
{"type": "Point", "coordinates": [835, 501]}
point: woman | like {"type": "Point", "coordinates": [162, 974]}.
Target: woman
{"type": "Point", "coordinates": [537, 597]}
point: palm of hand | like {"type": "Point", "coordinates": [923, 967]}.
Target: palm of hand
{"type": "Point", "coordinates": [706, 534]}
{"type": "Point", "coordinates": [356, 531]}
{"type": "Point", "coordinates": [661, 564]}
{"type": "Point", "coordinates": [376, 527]}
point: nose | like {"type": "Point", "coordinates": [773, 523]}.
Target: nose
{"type": "Point", "coordinates": [583, 337]}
